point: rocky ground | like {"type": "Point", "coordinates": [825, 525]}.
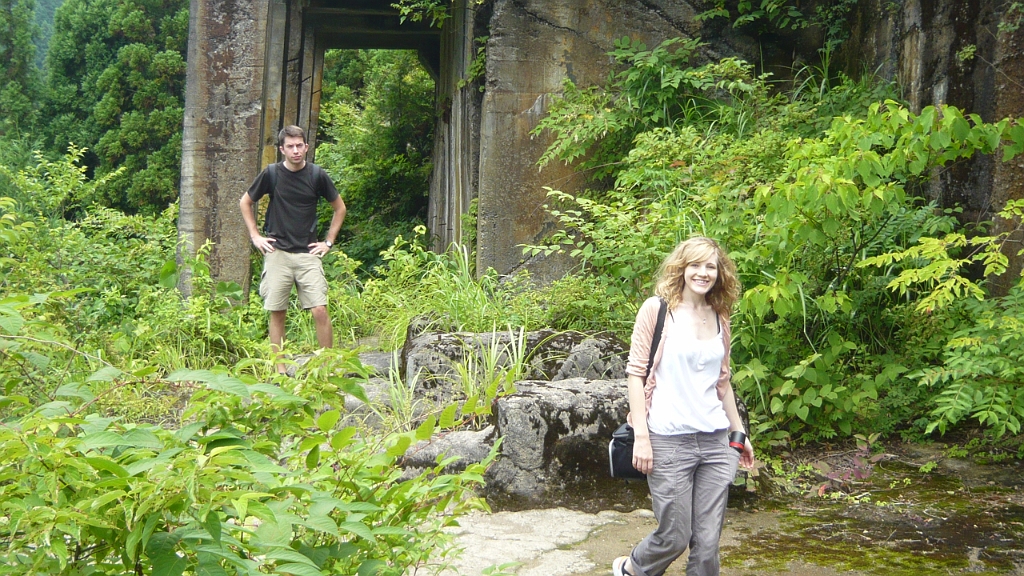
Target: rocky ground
{"type": "Point", "coordinates": [959, 518]}
{"type": "Point", "coordinates": [898, 509]}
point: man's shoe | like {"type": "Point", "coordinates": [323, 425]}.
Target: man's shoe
{"type": "Point", "coordinates": [619, 566]}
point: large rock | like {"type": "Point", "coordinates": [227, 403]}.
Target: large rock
{"type": "Point", "coordinates": [555, 429]}
{"type": "Point", "coordinates": [437, 361]}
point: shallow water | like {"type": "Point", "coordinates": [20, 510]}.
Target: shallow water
{"type": "Point", "coordinates": [962, 517]}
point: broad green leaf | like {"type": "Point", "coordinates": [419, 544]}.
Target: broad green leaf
{"type": "Point", "coordinates": [134, 537]}
{"type": "Point", "coordinates": [261, 463]}
{"type": "Point", "coordinates": [105, 374]}
{"type": "Point", "coordinates": [188, 431]}
{"type": "Point", "coordinates": [448, 416]}
{"type": "Point", "coordinates": [313, 458]}
{"type": "Point", "coordinates": [143, 438]}
{"type": "Point", "coordinates": [391, 531]}
{"type": "Point", "coordinates": [371, 568]}
{"type": "Point", "coordinates": [169, 274]}
{"type": "Point", "coordinates": [400, 446]}
{"type": "Point", "coordinates": [107, 465]}
{"type": "Point", "coordinates": [161, 544]}
{"type": "Point", "coordinates": [103, 439]}
{"type": "Point", "coordinates": [289, 555]}
{"type": "Point", "coordinates": [168, 565]}
{"type": "Point", "coordinates": [357, 507]}
{"type": "Point", "coordinates": [74, 390]}
{"type": "Point", "coordinates": [105, 499]}
{"type": "Point", "coordinates": [213, 526]}
{"type": "Point", "coordinates": [350, 387]}
{"type": "Point", "coordinates": [321, 523]}
{"type": "Point", "coordinates": [802, 412]}
{"type": "Point", "coordinates": [271, 533]}
{"type": "Point", "coordinates": [209, 565]}
{"type": "Point", "coordinates": [11, 321]}
{"type": "Point", "coordinates": [298, 569]}
{"type": "Point", "coordinates": [327, 420]}
{"type": "Point", "coordinates": [357, 528]}
{"type": "Point", "coordinates": [146, 464]}
{"type": "Point", "coordinates": [426, 429]}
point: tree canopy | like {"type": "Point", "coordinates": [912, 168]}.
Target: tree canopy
{"type": "Point", "coordinates": [116, 87]}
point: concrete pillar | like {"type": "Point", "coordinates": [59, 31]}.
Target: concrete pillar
{"type": "Point", "coordinates": [533, 46]}
{"type": "Point", "coordinates": [457, 133]}
{"type": "Point", "coordinates": [1008, 177]}
{"type": "Point", "coordinates": [222, 125]}
{"type": "Point", "coordinates": [273, 80]}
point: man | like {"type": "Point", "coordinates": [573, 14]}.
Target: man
{"type": "Point", "coordinates": [291, 248]}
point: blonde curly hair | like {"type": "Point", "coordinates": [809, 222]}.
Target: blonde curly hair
{"type": "Point", "coordinates": [726, 289]}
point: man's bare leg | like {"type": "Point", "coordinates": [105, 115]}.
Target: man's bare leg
{"type": "Point", "coordinates": [324, 332]}
{"type": "Point", "coordinates": [277, 320]}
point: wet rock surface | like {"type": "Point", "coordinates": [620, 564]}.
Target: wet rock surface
{"type": "Point", "coordinates": [961, 517]}
{"type": "Point", "coordinates": [901, 509]}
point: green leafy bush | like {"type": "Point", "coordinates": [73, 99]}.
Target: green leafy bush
{"type": "Point", "coordinates": [823, 215]}
{"type": "Point", "coordinates": [253, 478]}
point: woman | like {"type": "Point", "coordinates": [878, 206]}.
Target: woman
{"type": "Point", "coordinates": [683, 410]}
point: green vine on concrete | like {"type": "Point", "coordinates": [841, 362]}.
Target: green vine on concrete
{"type": "Point", "coordinates": [478, 67]}
{"type": "Point", "coordinates": [417, 10]}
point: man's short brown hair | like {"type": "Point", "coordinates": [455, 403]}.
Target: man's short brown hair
{"type": "Point", "coordinates": [292, 131]}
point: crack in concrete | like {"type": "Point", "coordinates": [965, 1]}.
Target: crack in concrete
{"type": "Point", "coordinates": [680, 26]}
{"type": "Point", "coordinates": [537, 17]}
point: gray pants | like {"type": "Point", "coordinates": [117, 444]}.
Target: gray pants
{"type": "Point", "coordinates": [690, 489]}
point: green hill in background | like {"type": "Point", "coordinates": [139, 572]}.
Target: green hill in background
{"type": "Point", "coordinates": [45, 10]}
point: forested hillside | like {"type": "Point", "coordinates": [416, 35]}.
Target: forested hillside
{"type": "Point", "coordinates": [45, 12]}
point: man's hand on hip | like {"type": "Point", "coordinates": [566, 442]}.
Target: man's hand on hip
{"type": "Point", "coordinates": [319, 249]}
{"type": "Point", "coordinates": [264, 245]}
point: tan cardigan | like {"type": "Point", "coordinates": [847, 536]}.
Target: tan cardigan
{"type": "Point", "coordinates": [640, 349]}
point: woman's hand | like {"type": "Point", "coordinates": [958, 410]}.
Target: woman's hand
{"type": "Point", "coordinates": [643, 456]}
{"type": "Point", "coordinates": [746, 458]}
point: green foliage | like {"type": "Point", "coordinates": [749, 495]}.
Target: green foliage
{"type": "Point", "coordinates": [1012, 17]}
{"type": "Point", "coordinates": [257, 478]}
{"type": "Point", "coordinates": [414, 281]}
{"type": "Point", "coordinates": [20, 84]}
{"type": "Point", "coordinates": [437, 11]}
{"type": "Point", "coordinates": [116, 87]}
{"type": "Point", "coordinates": [816, 196]}
{"type": "Point", "coordinates": [376, 140]}
{"type": "Point", "coordinates": [781, 14]}
{"type": "Point", "coordinates": [45, 10]}
{"type": "Point", "coordinates": [129, 448]}
{"type": "Point", "coordinates": [478, 67]}
{"type": "Point", "coordinates": [419, 10]}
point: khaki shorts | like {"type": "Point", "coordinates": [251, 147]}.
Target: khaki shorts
{"type": "Point", "coordinates": [282, 270]}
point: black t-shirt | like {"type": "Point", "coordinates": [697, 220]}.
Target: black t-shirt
{"type": "Point", "coordinates": [291, 215]}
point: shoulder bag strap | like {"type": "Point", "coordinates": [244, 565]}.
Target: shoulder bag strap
{"type": "Point", "coordinates": [272, 172]}
{"type": "Point", "coordinates": [656, 340]}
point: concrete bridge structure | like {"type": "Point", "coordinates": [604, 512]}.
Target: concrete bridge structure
{"type": "Point", "coordinates": [255, 65]}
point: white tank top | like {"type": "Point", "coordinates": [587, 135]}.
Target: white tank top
{"type": "Point", "coordinates": [685, 400]}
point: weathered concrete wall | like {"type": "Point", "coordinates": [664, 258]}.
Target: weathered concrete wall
{"type": "Point", "coordinates": [224, 85]}
{"type": "Point", "coordinates": [454, 180]}
{"type": "Point", "coordinates": [1008, 177]}
{"type": "Point", "coordinates": [533, 45]}
{"type": "Point", "coordinates": [916, 44]}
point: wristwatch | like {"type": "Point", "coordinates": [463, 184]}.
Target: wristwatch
{"type": "Point", "coordinates": [329, 243]}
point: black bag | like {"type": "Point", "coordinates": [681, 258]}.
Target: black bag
{"type": "Point", "coordinates": [620, 449]}
{"type": "Point", "coordinates": [620, 454]}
